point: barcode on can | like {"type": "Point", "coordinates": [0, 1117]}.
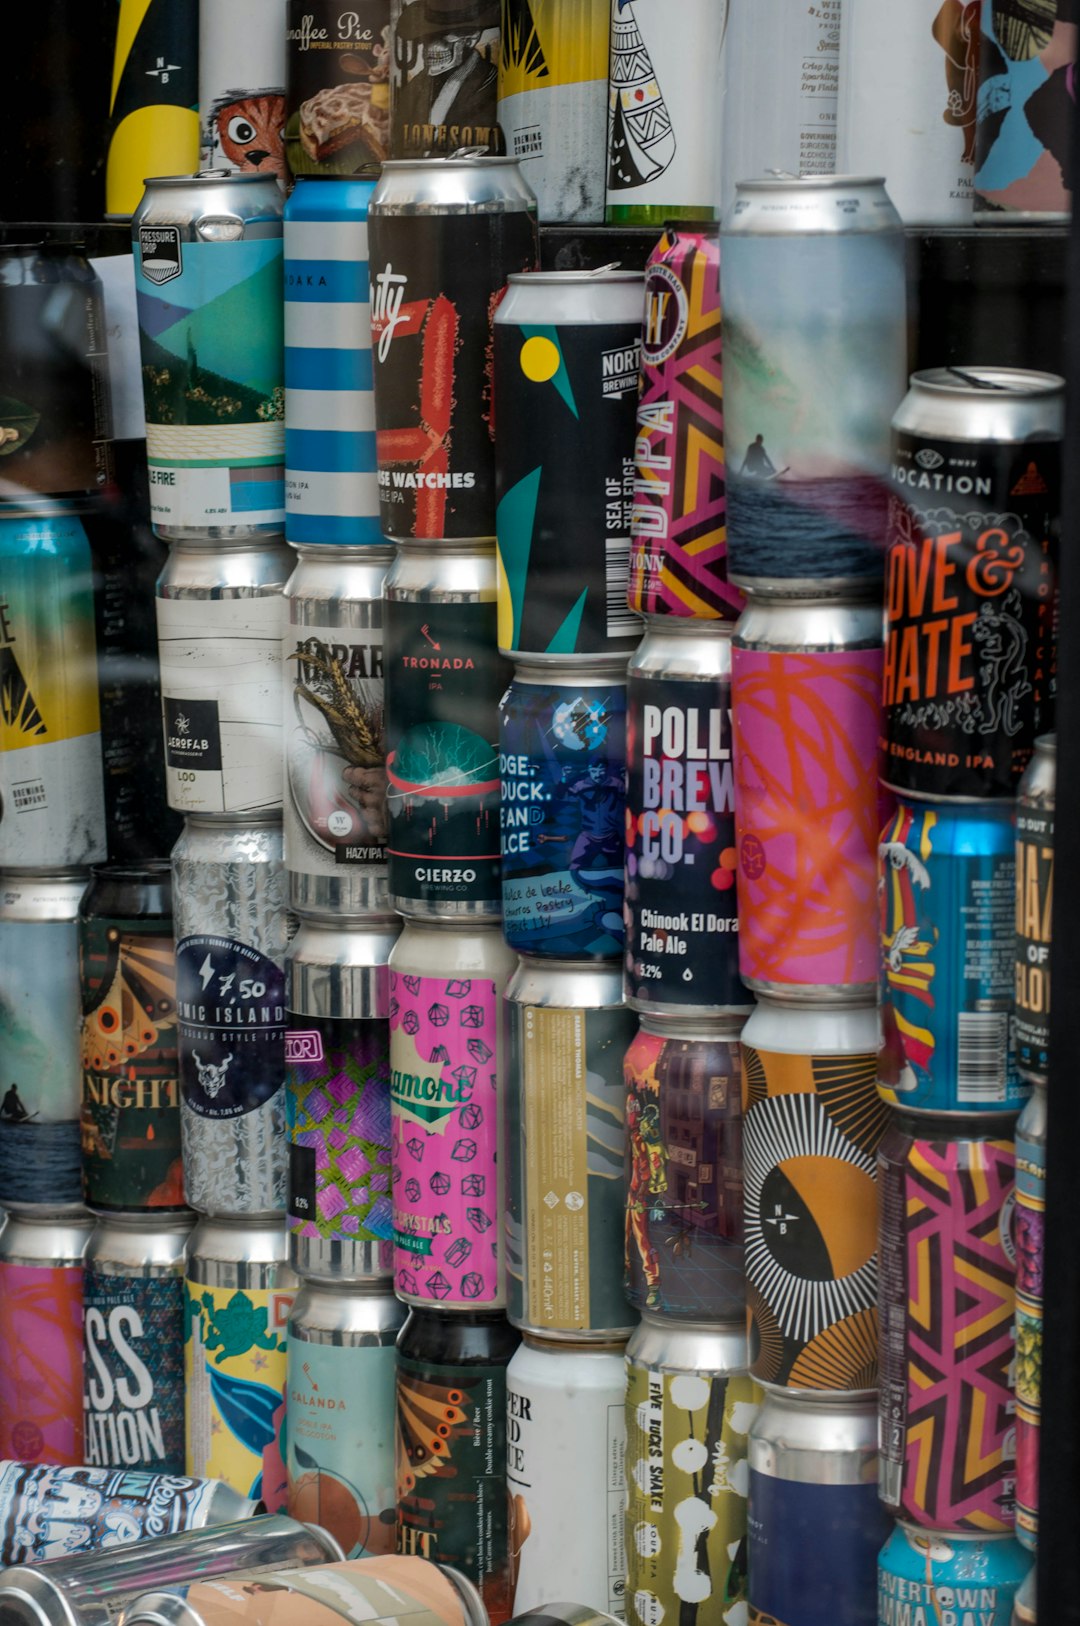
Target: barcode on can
{"type": "Point", "coordinates": [982, 1041]}
{"type": "Point", "coordinates": [621, 620]}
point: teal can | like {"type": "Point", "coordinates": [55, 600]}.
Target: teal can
{"type": "Point", "coordinates": [930, 1578]}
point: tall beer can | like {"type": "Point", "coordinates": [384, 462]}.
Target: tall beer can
{"type": "Point", "coordinates": [971, 579]}
{"type": "Point", "coordinates": [154, 101]}
{"type": "Point", "coordinates": [814, 293]}
{"type": "Point", "coordinates": [552, 106]}
{"type": "Point", "coordinates": [907, 106]}
{"type": "Point", "coordinates": [231, 933]}
{"type": "Point", "coordinates": [566, 1427]}
{"type": "Point", "coordinates": [134, 1342]}
{"type": "Point", "coordinates": [1026, 96]}
{"type": "Point", "coordinates": [444, 237]}
{"type": "Point", "coordinates": [781, 79]}
{"type": "Point", "coordinates": [930, 1571]}
{"type": "Point", "coordinates": [1025, 1609]}
{"type": "Point", "coordinates": [1029, 1220]}
{"type": "Point", "coordinates": [208, 283]}
{"type": "Point", "coordinates": [52, 785]}
{"type": "Point", "coordinates": [337, 1099]}
{"type": "Point", "coordinates": [41, 1334]}
{"type": "Point", "coordinates": [567, 352]}
{"type": "Point", "coordinates": [341, 1412]}
{"type": "Point", "coordinates": [812, 1124]}
{"type": "Point", "coordinates": [337, 88]}
{"type": "Point", "coordinates": [335, 732]}
{"type": "Point", "coordinates": [40, 1160]}
{"type": "Point", "coordinates": [444, 78]}
{"type": "Point", "coordinates": [447, 1093]}
{"type": "Point", "coordinates": [331, 484]}
{"type": "Point", "coordinates": [815, 1522]}
{"type": "Point", "coordinates": [947, 1303]}
{"type": "Point", "coordinates": [238, 1291]}
{"type": "Point", "coordinates": [663, 110]}
{"type": "Point", "coordinates": [1035, 800]}
{"type": "Point", "coordinates": [242, 85]}
{"type": "Point", "coordinates": [566, 1032]}
{"type": "Point", "coordinates": [689, 1408]}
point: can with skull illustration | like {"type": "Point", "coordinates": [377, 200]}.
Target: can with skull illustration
{"type": "Point", "coordinates": [444, 77]}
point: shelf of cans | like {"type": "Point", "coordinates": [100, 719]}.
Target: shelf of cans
{"type": "Point", "coordinates": [556, 1111]}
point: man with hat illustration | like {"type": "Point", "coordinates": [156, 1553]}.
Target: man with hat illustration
{"type": "Point", "coordinates": [450, 101]}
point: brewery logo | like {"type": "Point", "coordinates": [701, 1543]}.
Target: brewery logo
{"type": "Point", "coordinates": [159, 253]}
{"type": "Point", "coordinates": [619, 368]}
{"type": "Point", "coordinates": [386, 313]}
{"type": "Point", "coordinates": [666, 314]}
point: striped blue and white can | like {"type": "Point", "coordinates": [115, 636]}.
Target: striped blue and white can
{"type": "Point", "coordinates": [331, 483]}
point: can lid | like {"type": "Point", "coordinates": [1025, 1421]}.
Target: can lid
{"type": "Point", "coordinates": [987, 381]}
{"type": "Point", "coordinates": [464, 158]}
{"type": "Point", "coordinates": [213, 177]}
{"type": "Point", "coordinates": [602, 273]}
{"type": "Point", "coordinates": [29, 1598]}
{"type": "Point", "coordinates": [779, 180]}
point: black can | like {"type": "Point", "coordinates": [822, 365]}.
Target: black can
{"type": "Point", "coordinates": [443, 238]}
{"type": "Point", "coordinates": [451, 1446]}
{"type": "Point", "coordinates": [434, 43]}
{"type": "Point", "coordinates": [337, 87]}
{"type": "Point", "coordinates": [55, 416]}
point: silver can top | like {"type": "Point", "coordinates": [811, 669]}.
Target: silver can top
{"type": "Point", "coordinates": [983, 404]}
{"type": "Point", "coordinates": [469, 184]}
{"type": "Point", "coordinates": [779, 205]}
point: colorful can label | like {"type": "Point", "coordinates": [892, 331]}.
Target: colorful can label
{"type": "Point", "coordinates": [337, 115]}
{"type": "Point", "coordinates": [813, 1551]}
{"type": "Point", "coordinates": [51, 1512]}
{"type": "Point", "coordinates": [436, 280]}
{"type": "Point", "coordinates": [131, 1098]}
{"type": "Point", "coordinates": [424, 123]}
{"type": "Point", "coordinates": [948, 1438]}
{"type": "Point", "coordinates": [565, 1109]}
{"type": "Point", "coordinates": [1029, 1223]}
{"type": "Point", "coordinates": [807, 815]}
{"type": "Point", "coordinates": [684, 1177]}
{"type": "Point", "coordinates": [378, 1590]}
{"type": "Point", "coordinates": [442, 755]}
{"type": "Point", "coordinates": [1034, 900]}
{"type": "Point", "coordinates": [210, 333]}
{"type": "Point", "coordinates": [562, 755]}
{"type": "Point", "coordinates": [678, 555]}
{"type": "Point", "coordinates": [971, 606]}
{"type": "Point", "coordinates": [41, 1375]}
{"type": "Point", "coordinates": [942, 1578]}
{"type": "Point", "coordinates": [450, 1445]}
{"type": "Point", "coordinates": [52, 788]}
{"type": "Point", "coordinates": [242, 86]}
{"type": "Point", "coordinates": [947, 894]}
{"type": "Point", "coordinates": [221, 702]}
{"type": "Point", "coordinates": [231, 1002]}
{"type": "Point", "coordinates": [686, 1480]}
{"type": "Point", "coordinates": [337, 1113]}
{"type": "Point", "coordinates": [445, 1138]}
{"type": "Point", "coordinates": [335, 750]}
{"type": "Point", "coordinates": [1027, 93]}
{"type": "Point", "coordinates": [564, 497]}
{"type": "Point", "coordinates": [234, 1377]}
{"type": "Point", "coordinates": [812, 1128]}
{"type": "Point", "coordinates": [134, 1381]}
{"type": "Point", "coordinates": [154, 109]}
{"type": "Point", "coordinates": [682, 915]}
{"type": "Point", "coordinates": [340, 1442]}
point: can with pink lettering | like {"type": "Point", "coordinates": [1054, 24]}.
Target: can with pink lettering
{"type": "Point", "coordinates": [41, 1335]}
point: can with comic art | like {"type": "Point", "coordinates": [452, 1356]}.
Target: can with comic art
{"type": "Point", "coordinates": [1029, 1221]}
{"type": "Point", "coordinates": [1026, 97]}
{"type": "Point", "coordinates": [926, 1575]}
{"type": "Point", "coordinates": [947, 1303]}
{"type": "Point", "coordinates": [690, 1404]}
{"type": "Point", "coordinates": [41, 1334]}
{"type": "Point", "coordinates": [446, 1107]}
{"type": "Point", "coordinates": [242, 86]}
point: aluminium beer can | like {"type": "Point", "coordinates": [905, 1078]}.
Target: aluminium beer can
{"type": "Point", "coordinates": [335, 732]}
{"type": "Point", "coordinates": [815, 1522]}
{"type": "Point", "coordinates": [337, 88]}
{"type": "Point", "coordinates": [971, 579]}
{"type": "Point", "coordinates": [552, 103]}
{"type": "Point", "coordinates": [1026, 94]}
{"type": "Point", "coordinates": [444, 236]}
{"type": "Point", "coordinates": [947, 1304]}
{"type": "Point", "coordinates": [681, 907]}
{"type": "Point", "coordinates": [218, 606]}
{"type": "Point", "coordinates": [690, 1405]}
{"type": "Point", "coordinates": [565, 1614]}
{"type": "Point", "coordinates": [566, 1426]}
{"type": "Point", "coordinates": [41, 1334]}
{"type": "Point", "coordinates": [40, 1162]}
{"type": "Point", "coordinates": [208, 282]}
{"type": "Point", "coordinates": [1035, 798]}
{"type": "Point", "coordinates": [242, 86]}
{"type": "Point", "coordinates": [1025, 1604]}
{"type": "Point", "coordinates": [566, 1030]}
{"type": "Point", "coordinates": [331, 483]}
{"type": "Point", "coordinates": [450, 1446]}
{"type": "Point", "coordinates": [947, 889]}
{"type": "Point", "coordinates": [431, 45]}
{"type": "Point", "coordinates": [133, 1288]}
{"type": "Point", "coordinates": [130, 1085]}
{"type": "Point", "coordinates": [238, 1291]}
{"type": "Point", "coordinates": [812, 1125]}
{"type": "Point", "coordinates": [936, 1574]}
{"type": "Point", "coordinates": [154, 102]}
{"type": "Point", "coordinates": [232, 929]}
{"type": "Point", "coordinates": [337, 1099]}
{"type": "Point", "coordinates": [814, 288]}
{"type": "Point", "coordinates": [683, 1250]}
{"type": "Point", "coordinates": [562, 757]}
{"type": "Point", "coordinates": [340, 1412]}
{"type": "Point", "coordinates": [447, 1104]}
{"type": "Point", "coordinates": [1029, 1220]}
{"type": "Point", "coordinates": [567, 352]}
{"type": "Point", "coordinates": [442, 733]}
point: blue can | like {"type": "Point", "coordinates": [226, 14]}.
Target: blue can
{"type": "Point", "coordinates": [562, 758]}
{"type": "Point", "coordinates": [946, 880]}
{"type": "Point", "coordinates": [948, 1579]}
{"type": "Point", "coordinates": [331, 483]}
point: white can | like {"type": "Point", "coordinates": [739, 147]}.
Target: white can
{"type": "Point", "coordinates": [242, 85]}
